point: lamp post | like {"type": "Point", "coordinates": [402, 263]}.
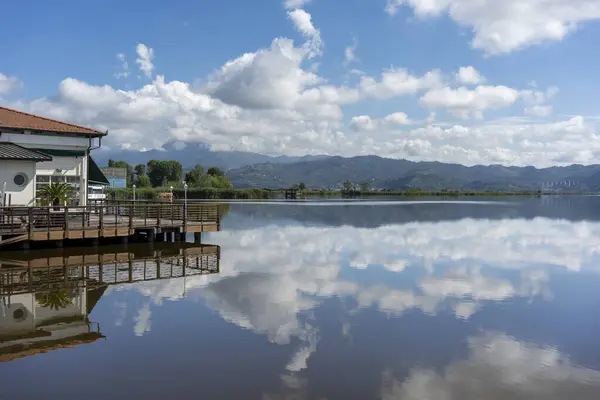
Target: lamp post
{"type": "Point", "coordinates": [133, 192]}
{"type": "Point", "coordinates": [185, 189]}
{"type": "Point", "coordinates": [171, 198]}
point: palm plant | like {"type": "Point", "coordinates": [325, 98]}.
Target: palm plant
{"type": "Point", "coordinates": [54, 299]}
{"type": "Point", "coordinates": [55, 193]}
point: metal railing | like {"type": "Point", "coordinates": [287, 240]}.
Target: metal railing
{"type": "Point", "coordinates": [23, 220]}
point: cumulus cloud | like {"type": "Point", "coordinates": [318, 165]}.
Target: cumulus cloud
{"type": "Point", "coordinates": [397, 81]}
{"type": "Point", "coordinates": [303, 23]}
{"type": "Point", "coordinates": [467, 103]}
{"type": "Point", "coordinates": [509, 25]}
{"type": "Point", "coordinates": [274, 101]}
{"type": "Point", "coordinates": [9, 84]}
{"type": "Point", "coordinates": [144, 60]}
{"type": "Point", "coordinates": [364, 123]}
{"type": "Point", "coordinates": [397, 118]}
{"type": "Point", "coordinates": [498, 365]}
{"type": "Point", "coordinates": [469, 76]}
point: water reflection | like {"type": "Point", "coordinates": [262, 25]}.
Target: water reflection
{"type": "Point", "coordinates": [46, 300]}
{"type": "Point", "coordinates": [492, 308]}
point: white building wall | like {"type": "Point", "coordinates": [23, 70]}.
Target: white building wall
{"type": "Point", "coordinates": [20, 196]}
{"type": "Point", "coordinates": [68, 166]}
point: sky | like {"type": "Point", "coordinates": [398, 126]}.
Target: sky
{"type": "Point", "coordinates": [510, 82]}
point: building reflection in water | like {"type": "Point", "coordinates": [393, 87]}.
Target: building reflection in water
{"type": "Point", "coordinates": [46, 296]}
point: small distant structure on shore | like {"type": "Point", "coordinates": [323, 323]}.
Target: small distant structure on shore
{"type": "Point", "coordinates": [291, 194]}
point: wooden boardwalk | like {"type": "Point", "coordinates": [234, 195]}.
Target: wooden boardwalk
{"type": "Point", "coordinates": [19, 275]}
{"type": "Point", "coordinates": [18, 224]}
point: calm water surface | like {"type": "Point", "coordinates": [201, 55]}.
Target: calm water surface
{"type": "Point", "coordinates": [440, 301]}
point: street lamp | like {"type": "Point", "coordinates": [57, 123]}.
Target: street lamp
{"type": "Point", "coordinates": [133, 192]}
{"type": "Point", "coordinates": [171, 199]}
{"type": "Point", "coordinates": [185, 189]}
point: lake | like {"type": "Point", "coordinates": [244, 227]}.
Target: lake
{"type": "Point", "coordinates": [494, 298]}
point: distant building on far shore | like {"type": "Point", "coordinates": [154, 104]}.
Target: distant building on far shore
{"type": "Point", "coordinates": [117, 177]}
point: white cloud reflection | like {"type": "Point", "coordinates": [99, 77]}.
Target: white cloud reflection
{"type": "Point", "coordinates": [498, 367]}
{"type": "Point", "coordinates": [272, 278]}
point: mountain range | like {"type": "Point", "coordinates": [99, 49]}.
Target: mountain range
{"type": "Point", "coordinates": [246, 169]}
{"type": "Point", "coordinates": [392, 174]}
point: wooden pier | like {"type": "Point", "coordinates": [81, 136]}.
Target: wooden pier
{"type": "Point", "coordinates": [47, 296]}
{"type": "Point", "coordinates": [39, 224]}
{"type": "Point", "coordinates": [21, 273]}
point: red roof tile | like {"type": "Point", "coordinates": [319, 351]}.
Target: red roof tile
{"type": "Point", "coordinates": [19, 120]}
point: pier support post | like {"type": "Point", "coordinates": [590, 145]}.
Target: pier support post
{"type": "Point", "coordinates": [151, 235]}
{"type": "Point", "coordinates": [198, 237]}
{"type": "Point", "coordinates": [171, 237]}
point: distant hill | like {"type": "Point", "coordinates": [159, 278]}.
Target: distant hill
{"type": "Point", "coordinates": [196, 153]}
{"type": "Point", "coordinates": [383, 173]}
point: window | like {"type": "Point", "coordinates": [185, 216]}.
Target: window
{"type": "Point", "coordinates": [20, 179]}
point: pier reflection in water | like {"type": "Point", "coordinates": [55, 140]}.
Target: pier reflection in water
{"type": "Point", "coordinates": [45, 301]}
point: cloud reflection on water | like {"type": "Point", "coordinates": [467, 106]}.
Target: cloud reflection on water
{"type": "Point", "coordinates": [273, 278]}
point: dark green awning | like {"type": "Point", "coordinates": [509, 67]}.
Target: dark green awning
{"type": "Point", "coordinates": [95, 174]}
{"type": "Point", "coordinates": [62, 153]}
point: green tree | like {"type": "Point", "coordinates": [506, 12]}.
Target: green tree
{"type": "Point", "coordinates": [142, 181]}
{"type": "Point", "coordinates": [140, 170]}
{"type": "Point", "coordinates": [348, 186]}
{"type": "Point", "coordinates": [301, 186]}
{"type": "Point", "coordinates": [161, 172]}
{"type": "Point", "coordinates": [214, 171]}
{"type": "Point", "coordinates": [194, 177]}
{"type": "Point", "coordinates": [55, 193]}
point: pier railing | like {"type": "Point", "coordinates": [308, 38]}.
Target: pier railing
{"type": "Point", "coordinates": [28, 220]}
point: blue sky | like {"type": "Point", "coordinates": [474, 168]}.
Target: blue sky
{"type": "Point", "coordinates": [526, 95]}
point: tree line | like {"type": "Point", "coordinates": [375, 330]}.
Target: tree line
{"type": "Point", "coordinates": [157, 174]}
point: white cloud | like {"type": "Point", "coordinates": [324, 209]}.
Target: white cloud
{"type": "Point", "coordinates": [303, 23]}
{"type": "Point", "coordinates": [468, 103]}
{"type": "Point", "coordinates": [350, 53]}
{"type": "Point", "coordinates": [296, 3]}
{"type": "Point", "coordinates": [498, 365]}
{"type": "Point", "coordinates": [144, 60]}
{"type": "Point", "coordinates": [274, 101]}
{"type": "Point", "coordinates": [395, 82]}
{"type": "Point", "coordinates": [508, 25]}
{"type": "Point", "coordinates": [124, 72]}
{"type": "Point", "coordinates": [469, 76]}
{"type": "Point", "coordinates": [9, 84]}
{"type": "Point", "coordinates": [397, 118]}
{"type": "Point", "coordinates": [294, 269]}
{"type": "Point", "coordinates": [362, 123]}
{"type": "Point", "coordinates": [539, 111]}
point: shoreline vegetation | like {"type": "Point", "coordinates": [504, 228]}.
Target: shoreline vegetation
{"type": "Point", "coordinates": [208, 193]}
{"type": "Point", "coordinates": [156, 177]}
